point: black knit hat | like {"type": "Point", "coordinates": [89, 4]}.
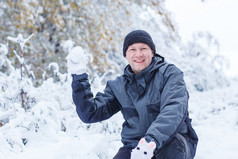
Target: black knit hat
{"type": "Point", "coordinates": [138, 36]}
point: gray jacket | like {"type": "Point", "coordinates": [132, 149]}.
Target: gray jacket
{"type": "Point", "coordinates": [154, 103]}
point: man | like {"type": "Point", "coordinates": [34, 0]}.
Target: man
{"type": "Point", "coordinates": [152, 96]}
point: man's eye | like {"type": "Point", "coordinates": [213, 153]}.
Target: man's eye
{"type": "Point", "coordinates": [144, 48]}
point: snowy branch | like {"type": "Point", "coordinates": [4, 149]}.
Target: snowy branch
{"type": "Point", "coordinates": [20, 40]}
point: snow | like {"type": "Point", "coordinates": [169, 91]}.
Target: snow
{"type": "Point", "coordinates": [68, 45]}
{"type": "Point", "coordinates": [3, 49]}
{"type": "Point", "coordinates": [77, 60]}
{"type": "Point", "coordinates": [215, 119]}
{"type": "Point", "coordinates": [55, 67]}
{"type": "Point", "coordinates": [77, 55]}
{"type": "Point", "coordinates": [51, 128]}
{"type": "Point", "coordinates": [217, 17]}
{"type": "Point", "coordinates": [20, 40]}
{"type": "Point", "coordinates": [214, 115]}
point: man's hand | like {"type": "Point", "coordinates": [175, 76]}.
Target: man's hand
{"type": "Point", "coordinates": [77, 61]}
{"type": "Point", "coordinates": [144, 150]}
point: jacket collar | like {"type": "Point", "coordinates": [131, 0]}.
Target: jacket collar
{"type": "Point", "coordinates": [137, 83]}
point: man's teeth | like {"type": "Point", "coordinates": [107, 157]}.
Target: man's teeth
{"type": "Point", "coordinates": [139, 60]}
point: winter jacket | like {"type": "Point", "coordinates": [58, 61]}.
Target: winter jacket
{"type": "Point", "coordinates": [154, 103]}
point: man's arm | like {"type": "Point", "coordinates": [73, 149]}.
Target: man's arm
{"type": "Point", "coordinates": [91, 109]}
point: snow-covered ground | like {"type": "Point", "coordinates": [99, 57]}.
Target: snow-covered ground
{"type": "Point", "coordinates": [215, 118]}
{"type": "Point", "coordinates": [214, 113]}
{"type": "Point", "coordinates": [52, 129]}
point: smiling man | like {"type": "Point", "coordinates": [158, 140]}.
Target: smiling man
{"type": "Point", "coordinates": [151, 95]}
{"type": "Point", "coordinates": [139, 56]}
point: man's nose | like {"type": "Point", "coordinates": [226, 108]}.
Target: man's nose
{"type": "Point", "coordinates": [139, 52]}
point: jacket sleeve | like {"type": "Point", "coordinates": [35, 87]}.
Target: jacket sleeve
{"type": "Point", "coordinates": [173, 108]}
{"type": "Point", "coordinates": [91, 109]}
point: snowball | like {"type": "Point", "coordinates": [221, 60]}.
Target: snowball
{"type": "Point", "coordinates": [68, 45]}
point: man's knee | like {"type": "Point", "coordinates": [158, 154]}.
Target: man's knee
{"type": "Point", "coordinates": [178, 148]}
{"type": "Point", "coordinates": [123, 153]}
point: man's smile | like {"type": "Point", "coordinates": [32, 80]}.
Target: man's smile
{"type": "Point", "coordinates": [139, 61]}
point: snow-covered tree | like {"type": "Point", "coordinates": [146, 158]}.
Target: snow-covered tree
{"type": "Point", "coordinates": [98, 26]}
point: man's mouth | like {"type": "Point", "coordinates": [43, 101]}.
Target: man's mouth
{"type": "Point", "coordinates": [139, 61]}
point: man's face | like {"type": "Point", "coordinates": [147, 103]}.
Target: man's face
{"type": "Point", "coordinates": [139, 56]}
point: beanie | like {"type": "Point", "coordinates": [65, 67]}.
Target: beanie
{"type": "Point", "coordinates": [138, 36]}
